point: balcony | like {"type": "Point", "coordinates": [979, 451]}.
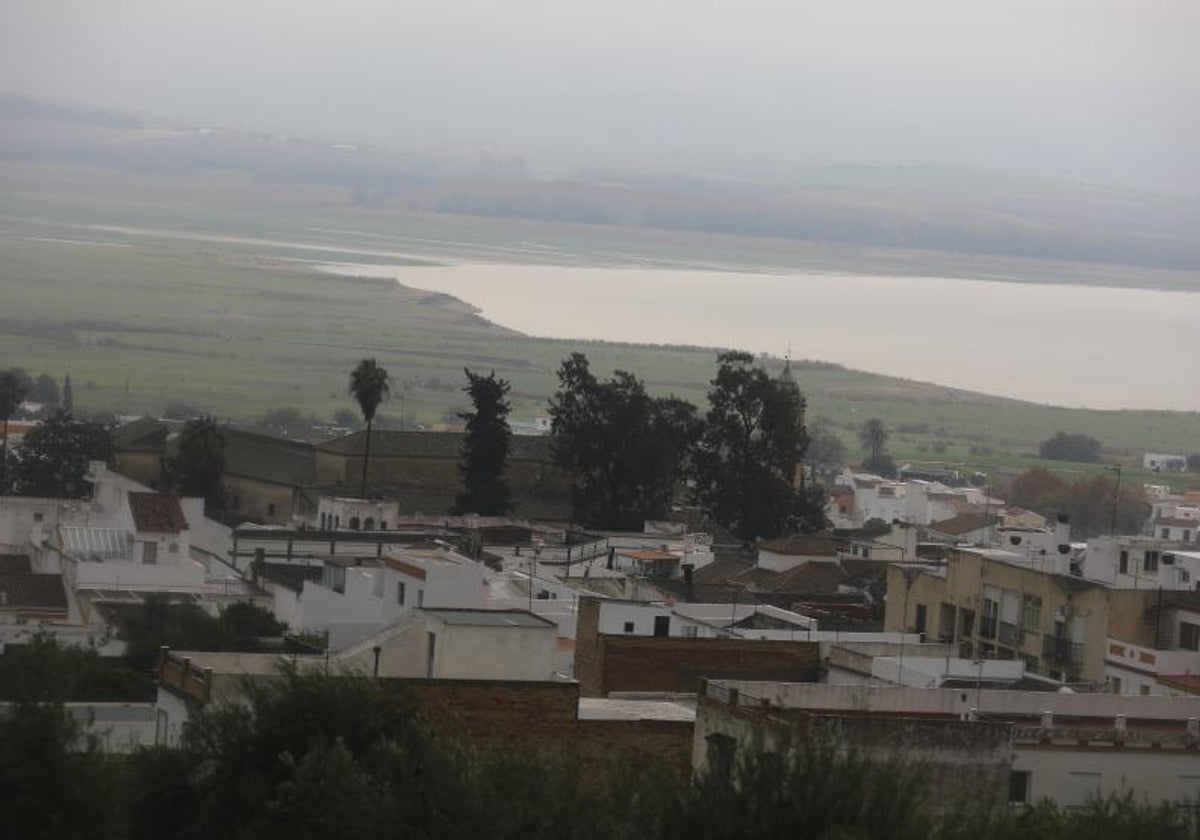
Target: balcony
{"type": "Point", "coordinates": [1063, 651]}
{"type": "Point", "coordinates": [1010, 634]}
{"type": "Point", "coordinates": [987, 627]}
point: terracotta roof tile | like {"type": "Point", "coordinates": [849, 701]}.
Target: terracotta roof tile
{"type": "Point", "coordinates": [27, 589]}
{"type": "Point", "coordinates": [156, 513]}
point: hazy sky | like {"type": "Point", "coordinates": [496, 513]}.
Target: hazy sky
{"type": "Point", "coordinates": [1091, 89]}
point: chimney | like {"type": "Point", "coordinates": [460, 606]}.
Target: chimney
{"type": "Point", "coordinates": [1062, 533]}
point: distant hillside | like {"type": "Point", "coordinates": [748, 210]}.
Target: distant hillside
{"type": "Point", "coordinates": [935, 209]}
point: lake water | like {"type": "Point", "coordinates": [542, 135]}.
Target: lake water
{"type": "Point", "coordinates": [1065, 345]}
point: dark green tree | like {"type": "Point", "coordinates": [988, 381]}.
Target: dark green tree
{"type": "Point", "coordinates": [748, 461]}
{"type": "Point", "coordinates": [12, 394]}
{"type": "Point", "coordinates": [370, 385]}
{"type": "Point", "coordinates": [826, 453]}
{"type": "Point", "coordinates": [44, 670]}
{"type": "Point", "coordinates": [1070, 447]}
{"type": "Point", "coordinates": [485, 448]}
{"type": "Point", "coordinates": [53, 458]}
{"type": "Point", "coordinates": [45, 390]}
{"type": "Point", "coordinates": [186, 626]}
{"type": "Point", "coordinates": [68, 396]}
{"type": "Point", "coordinates": [199, 463]}
{"type": "Point", "coordinates": [54, 781]}
{"type": "Point", "coordinates": [627, 450]}
{"type": "Point", "coordinates": [873, 437]}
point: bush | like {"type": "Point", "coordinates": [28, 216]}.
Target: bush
{"type": "Point", "coordinates": [1070, 447]}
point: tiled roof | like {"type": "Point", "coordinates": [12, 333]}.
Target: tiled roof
{"type": "Point", "coordinates": [1183, 682]}
{"type": "Point", "coordinates": [26, 589]}
{"type": "Point", "coordinates": [405, 568]}
{"type": "Point", "coordinates": [819, 578]}
{"type": "Point", "coordinates": [1177, 522]}
{"type": "Point", "coordinates": [805, 545]}
{"type": "Point", "coordinates": [420, 444]}
{"type": "Point", "coordinates": [272, 459]}
{"type": "Point", "coordinates": [964, 523]}
{"type": "Point", "coordinates": [719, 571]}
{"type": "Point", "coordinates": [144, 434]}
{"type": "Point", "coordinates": [156, 513]}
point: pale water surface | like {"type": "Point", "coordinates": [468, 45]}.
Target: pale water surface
{"type": "Point", "coordinates": [1066, 345]}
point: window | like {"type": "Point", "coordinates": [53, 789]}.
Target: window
{"type": "Point", "coordinates": [1166, 533]}
{"type": "Point", "coordinates": [1032, 616]}
{"type": "Point", "coordinates": [662, 625]}
{"type": "Point", "coordinates": [1123, 563]}
{"type": "Point", "coordinates": [628, 626]}
{"type": "Point", "coordinates": [1185, 576]}
{"type": "Point", "coordinates": [991, 614]}
{"type": "Point", "coordinates": [353, 523]}
{"type": "Point", "coordinates": [369, 524]}
{"type": "Point", "coordinates": [1116, 685]}
{"type": "Point", "coordinates": [420, 597]}
{"type": "Point", "coordinates": [1187, 535]}
{"type": "Point", "coordinates": [922, 617]}
{"type": "Point", "coordinates": [1189, 636]}
{"type": "Point", "coordinates": [689, 630]}
{"type": "Point", "coordinates": [1150, 561]}
{"type": "Point", "coordinates": [1018, 786]}
{"type": "Point", "coordinates": [271, 509]}
{"type": "Point", "coordinates": [1144, 690]}
{"type": "Point", "coordinates": [149, 553]}
{"type": "Point", "coordinates": [400, 593]}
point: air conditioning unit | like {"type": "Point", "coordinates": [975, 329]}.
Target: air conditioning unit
{"type": "Point", "coordinates": [1061, 613]}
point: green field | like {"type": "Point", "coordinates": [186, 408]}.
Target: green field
{"type": "Point", "coordinates": [239, 328]}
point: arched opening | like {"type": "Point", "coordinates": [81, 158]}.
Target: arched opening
{"type": "Point", "coordinates": [353, 523]}
{"type": "Point", "coordinates": [369, 524]}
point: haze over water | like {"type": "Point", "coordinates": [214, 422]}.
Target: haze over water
{"type": "Point", "coordinates": [1077, 346]}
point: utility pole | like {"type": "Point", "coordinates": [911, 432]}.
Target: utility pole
{"type": "Point", "coordinates": [1116, 500]}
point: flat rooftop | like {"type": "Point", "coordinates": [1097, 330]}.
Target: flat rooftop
{"type": "Point", "coordinates": [490, 618]}
{"type": "Point", "coordinates": [608, 708]}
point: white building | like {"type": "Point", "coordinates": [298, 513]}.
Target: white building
{"type": "Point", "coordinates": [1064, 747]}
{"type": "Point", "coordinates": [352, 597]}
{"type": "Point", "coordinates": [1134, 562]}
{"type": "Point", "coordinates": [116, 548]}
{"type": "Point", "coordinates": [1162, 462]}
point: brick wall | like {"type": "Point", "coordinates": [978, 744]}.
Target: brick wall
{"type": "Point", "coordinates": [664, 664]}
{"type": "Point", "coordinates": [491, 711]}
{"type": "Point", "coordinates": [588, 661]}
{"type": "Point", "coordinates": [505, 715]}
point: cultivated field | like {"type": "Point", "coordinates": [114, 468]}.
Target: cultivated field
{"type": "Point", "coordinates": [240, 327]}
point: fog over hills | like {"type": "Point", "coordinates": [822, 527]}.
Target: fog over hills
{"type": "Point", "coordinates": [927, 207]}
{"type": "Point", "coordinates": [1104, 91]}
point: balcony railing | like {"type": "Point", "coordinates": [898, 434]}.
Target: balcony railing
{"type": "Point", "coordinates": [1010, 634]}
{"type": "Point", "coordinates": [1063, 651]}
{"type": "Point", "coordinates": [987, 627]}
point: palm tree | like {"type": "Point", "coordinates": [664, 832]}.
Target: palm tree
{"type": "Point", "coordinates": [12, 393]}
{"type": "Point", "coordinates": [369, 385]}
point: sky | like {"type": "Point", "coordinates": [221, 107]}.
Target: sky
{"type": "Point", "coordinates": [1093, 90]}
